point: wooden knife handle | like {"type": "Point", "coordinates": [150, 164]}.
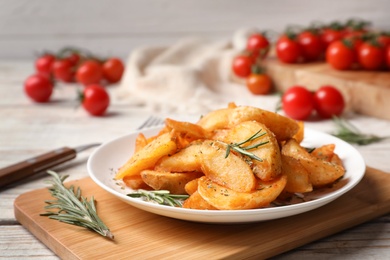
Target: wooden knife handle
{"type": "Point", "coordinates": [35, 165]}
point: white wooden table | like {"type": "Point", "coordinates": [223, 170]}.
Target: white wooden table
{"type": "Point", "coordinates": [28, 129]}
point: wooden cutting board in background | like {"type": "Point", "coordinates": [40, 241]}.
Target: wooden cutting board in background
{"type": "Point", "coordinates": [143, 235]}
{"type": "Point", "coordinates": [365, 92]}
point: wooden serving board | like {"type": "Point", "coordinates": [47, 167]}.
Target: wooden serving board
{"type": "Point", "coordinates": [365, 92]}
{"type": "Point", "coordinates": [143, 235]}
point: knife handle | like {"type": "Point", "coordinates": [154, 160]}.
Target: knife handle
{"type": "Point", "coordinates": [35, 165]}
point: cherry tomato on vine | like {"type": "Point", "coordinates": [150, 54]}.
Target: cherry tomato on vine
{"type": "Point", "coordinates": [298, 103]}
{"type": "Point", "coordinates": [63, 70]}
{"type": "Point", "coordinates": [44, 64]}
{"type": "Point", "coordinates": [371, 56]}
{"type": "Point", "coordinates": [329, 35]}
{"type": "Point", "coordinates": [354, 41]}
{"type": "Point", "coordinates": [340, 55]}
{"type": "Point", "coordinates": [242, 65]}
{"type": "Point", "coordinates": [113, 70]}
{"type": "Point", "coordinates": [328, 102]}
{"type": "Point", "coordinates": [74, 58]}
{"type": "Point", "coordinates": [90, 72]}
{"type": "Point", "coordinates": [356, 27]}
{"type": "Point", "coordinates": [288, 50]}
{"type": "Point", "coordinates": [258, 44]}
{"type": "Point", "coordinates": [310, 45]}
{"type": "Point", "coordinates": [95, 99]}
{"type": "Point", "coordinates": [259, 84]}
{"type": "Point", "coordinates": [38, 87]}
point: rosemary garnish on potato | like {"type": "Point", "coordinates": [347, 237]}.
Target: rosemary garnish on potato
{"type": "Point", "coordinates": [73, 208]}
{"type": "Point", "coordinates": [244, 149]}
{"type": "Point", "coordinates": [349, 133]}
{"type": "Point", "coordinates": [162, 197]}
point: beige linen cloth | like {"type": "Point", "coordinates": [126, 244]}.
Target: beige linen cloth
{"type": "Point", "coordinates": [193, 76]}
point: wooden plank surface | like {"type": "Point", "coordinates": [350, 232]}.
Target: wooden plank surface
{"type": "Point", "coordinates": [142, 235]}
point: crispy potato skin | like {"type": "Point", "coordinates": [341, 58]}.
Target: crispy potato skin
{"type": "Point", "coordinates": [135, 182]}
{"type": "Point", "coordinates": [298, 178]}
{"type": "Point", "coordinates": [283, 127]}
{"type": "Point", "coordinates": [173, 182]}
{"type": "Point", "coordinates": [322, 172]}
{"type": "Point", "coordinates": [195, 201]}
{"type": "Point", "coordinates": [224, 198]}
{"type": "Point", "coordinates": [216, 119]}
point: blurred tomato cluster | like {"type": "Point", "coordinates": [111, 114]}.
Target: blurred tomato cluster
{"type": "Point", "coordinates": [72, 65]}
{"type": "Point", "coordinates": [344, 46]}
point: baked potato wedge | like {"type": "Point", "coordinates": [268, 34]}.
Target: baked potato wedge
{"type": "Point", "coordinates": [191, 186]}
{"type": "Point", "coordinates": [322, 172]}
{"type": "Point", "coordinates": [270, 165]}
{"type": "Point", "coordinates": [147, 157]}
{"type": "Point", "coordinates": [298, 178]}
{"type": "Point", "coordinates": [224, 198]}
{"type": "Point", "coordinates": [135, 182]}
{"type": "Point", "coordinates": [174, 182]}
{"type": "Point", "coordinates": [232, 171]}
{"type": "Point", "coordinates": [283, 127]}
{"type": "Point", "coordinates": [195, 201]}
{"type": "Point", "coordinates": [186, 160]}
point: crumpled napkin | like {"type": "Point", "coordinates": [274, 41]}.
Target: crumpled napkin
{"type": "Point", "coordinates": [192, 76]}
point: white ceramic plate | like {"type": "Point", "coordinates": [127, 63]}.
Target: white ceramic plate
{"type": "Point", "coordinates": [106, 159]}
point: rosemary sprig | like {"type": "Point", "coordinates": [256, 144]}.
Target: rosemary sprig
{"type": "Point", "coordinates": [244, 149]}
{"type": "Point", "coordinates": [163, 197]}
{"type": "Point", "coordinates": [349, 133]}
{"type": "Point", "coordinates": [73, 208]}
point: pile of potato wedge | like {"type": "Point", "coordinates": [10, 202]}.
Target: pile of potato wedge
{"type": "Point", "coordinates": [200, 159]}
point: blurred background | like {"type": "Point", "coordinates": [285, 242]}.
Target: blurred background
{"type": "Point", "coordinates": [115, 27]}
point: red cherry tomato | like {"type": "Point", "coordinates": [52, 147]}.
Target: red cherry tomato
{"type": "Point", "coordinates": [310, 45]}
{"type": "Point", "coordinates": [388, 57]}
{"type": "Point", "coordinates": [298, 103]}
{"type": "Point", "coordinates": [44, 64]}
{"type": "Point", "coordinates": [242, 66]}
{"type": "Point", "coordinates": [113, 70]}
{"type": "Point", "coordinates": [259, 84]}
{"type": "Point", "coordinates": [95, 100]}
{"type": "Point", "coordinates": [328, 102]}
{"type": "Point", "coordinates": [384, 39]}
{"type": "Point", "coordinates": [90, 72]}
{"type": "Point", "coordinates": [340, 56]}
{"type": "Point", "coordinates": [38, 87]}
{"type": "Point", "coordinates": [371, 57]}
{"type": "Point", "coordinates": [74, 58]}
{"type": "Point", "coordinates": [329, 35]}
{"type": "Point", "coordinates": [63, 70]}
{"type": "Point", "coordinates": [288, 50]}
{"type": "Point", "coordinates": [258, 44]}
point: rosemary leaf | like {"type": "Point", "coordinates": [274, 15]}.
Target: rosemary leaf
{"type": "Point", "coordinates": [349, 133]}
{"type": "Point", "coordinates": [244, 149]}
{"type": "Point", "coordinates": [162, 197]}
{"type": "Point", "coordinates": [72, 208]}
